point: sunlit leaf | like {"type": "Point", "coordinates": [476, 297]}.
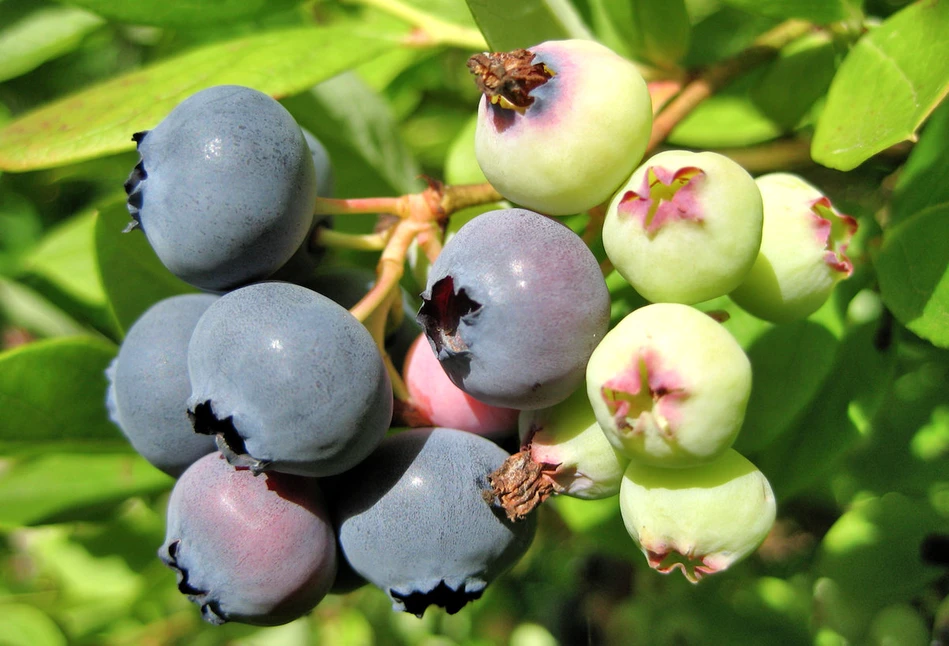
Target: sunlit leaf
{"type": "Point", "coordinates": [28, 40]}
{"type": "Point", "coordinates": [510, 25]}
{"type": "Point", "coordinates": [891, 80]}
{"type": "Point", "coordinates": [100, 120]}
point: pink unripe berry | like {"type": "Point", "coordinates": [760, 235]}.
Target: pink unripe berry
{"type": "Point", "coordinates": [441, 403]}
{"type": "Point", "coordinates": [803, 251]}
{"type": "Point", "coordinates": [669, 385]}
{"type": "Point", "coordinates": [561, 125]}
{"type": "Point", "coordinates": [699, 520]}
{"type": "Point", "coordinates": [685, 228]}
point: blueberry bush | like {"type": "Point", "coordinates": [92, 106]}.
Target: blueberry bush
{"type": "Point", "coordinates": [677, 270]}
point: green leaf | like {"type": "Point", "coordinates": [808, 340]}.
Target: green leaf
{"type": "Point", "coordinates": [819, 11]}
{"type": "Point", "coordinates": [162, 12]}
{"type": "Point", "coordinates": [510, 25]}
{"type": "Point", "coordinates": [652, 30]}
{"type": "Point", "coordinates": [52, 394]}
{"type": "Point", "coordinates": [29, 39]}
{"type": "Point", "coordinates": [25, 625]}
{"type": "Point", "coordinates": [56, 487]}
{"type": "Point", "coordinates": [20, 229]}
{"type": "Point", "coordinates": [724, 33]}
{"type": "Point", "coordinates": [892, 79]}
{"type": "Point", "coordinates": [726, 120]}
{"type": "Point", "coordinates": [66, 258]}
{"type": "Point", "coordinates": [344, 112]}
{"type": "Point", "coordinates": [23, 307]}
{"type": "Point", "coordinates": [796, 79]}
{"type": "Point", "coordinates": [100, 121]}
{"type": "Point", "coordinates": [835, 419]}
{"type": "Point", "coordinates": [789, 364]}
{"type": "Point", "coordinates": [132, 275]}
{"type": "Point", "coordinates": [913, 267]}
{"type": "Point", "coordinates": [872, 551]}
{"type": "Point", "coordinates": [922, 183]}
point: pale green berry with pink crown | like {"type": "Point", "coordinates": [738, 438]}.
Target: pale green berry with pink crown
{"type": "Point", "coordinates": [685, 228]}
{"type": "Point", "coordinates": [803, 251]}
{"type": "Point", "coordinates": [669, 386]}
{"type": "Point", "coordinates": [561, 124]}
{"type": "Point", "coordinates": [700, 520]}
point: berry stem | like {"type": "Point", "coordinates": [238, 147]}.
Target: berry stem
{"type": "Point", "coordinates": [325, 237]}
{"type": "Point", "coordinates": [333, 206]}
{"type": "Point", "coordinates": [431, 31]}
{"type": "Point", "coordinates": [713, 78]}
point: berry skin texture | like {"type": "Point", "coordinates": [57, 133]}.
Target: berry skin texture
{"type": "Point", "coordinates": [515, 304]}
{"type": "Point", "coordinates": [288, 381]}
{"type": "Point", "coordinates": [442, 403]}
{"type": "Point", "coordinates": [149, 384]}
{"type": "Point", "coordinates": [699, 520]}
{"type": "Point", "coordinates": [322, 165]}
{"type": "Point", "coordinates": [257, 550]}
{"type": "Point", "coordinates": [685, 228]}
{"type": "Point", "coordinates": [669, 386]}
{"type": "Point", "coordinates": [225, 187]}
{"type": "Point", "coordinates": [803, 251]}
{"type": "Point", "coordinates": [585, 128]}
{"type": "Point", "coordinates": [413, 520]}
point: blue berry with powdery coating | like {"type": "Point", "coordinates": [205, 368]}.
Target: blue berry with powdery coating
{"type": "Point", "coordinates": [413, 520]}
{"type": "Point", "coordinates": [149, 384]}
{"type": "Point", "coordinates": [288, 381]}
{"type": "Point", "coordinates": [325, 178]}
{"type": "Point", "coordinates": [514, 306]}
{"type": "Point", "coordinates": [257, 550]}
{"type": "Point", "coordinates": [225, 188]}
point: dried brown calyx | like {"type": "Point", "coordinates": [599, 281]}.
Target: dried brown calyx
{"type": "Point", "coordinates": [507, 78]}
{"type": "Point", "coordinates": [520, 484]}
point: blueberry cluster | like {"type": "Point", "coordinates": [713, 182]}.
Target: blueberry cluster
{"type": "Point", "coordinates": [272, 403]}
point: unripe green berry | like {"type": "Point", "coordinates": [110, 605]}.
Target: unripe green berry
{"type": "Point", "coordinates": [699, 520]}
{"type": "Point", "coordinates": [561, 125]}
{"type": "Point", "coordinates": [669, 386]}
{"type": "Point", "coordinates": [568, 439]}
{"type": "Point", "coordinates": [803, 251]}
{"type": "Point", "coordinates": [685, 227]}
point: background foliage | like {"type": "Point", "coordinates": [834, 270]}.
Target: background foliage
{"type": "Point", "coordinates": [849, 417]}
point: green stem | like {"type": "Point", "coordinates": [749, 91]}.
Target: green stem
{"type": "Point", "coordinates": [436, 31]}
{"type": "Point", "coordinates": [372, 205]}
{"type": "Point", "coordinates": [360, 242]}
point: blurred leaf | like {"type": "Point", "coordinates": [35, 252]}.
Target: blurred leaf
{"type": "Point", "coordinates": [789, 365]}
{"type": "Point", "coordinates": [819, 11]}
{"type": "Point", "coordinates": [162, 12]}
{"type": "Point", "coordinates": [101, 120]}
{"type": "Point", "coordinates": [52, 394]}
{"type": "Point", "coordinates": [132, 275]}
{"type": "Point", "coordinates": [24, 308]}
{"type": "Point", "coordinates": [872, 551]}
{"type": "Point", "coordinates": [652, 30]}
{"type": "Point", "coordinates": [66, 258]}
{"type": "Point", "coordinates": [57, 486]}
{"type": "Point", "coordinates": [913, 268]}
{"type": "Point", "coordinates": [30, 38]}
{"type": "Point", "coordinates": [584, 515]}
{"type": "Point", "coordinates": [728, 119]}
{"type": "Point", "coordinates": [20, 229]}
{"type": "Point", "coordinates": [922, 182]}
{"type": "Point", "coordinates": [807, 453]}
{"type": "Point", "coordinates": [796, 79]}
{"type": "Point", "coordinates": [724, 33]}
{"type": "Point", "coordinates": [510, 25]}
{"type": "Point", "coordinates": [345, 112]}
{"type": "Point", "coordinates": [461, 166]}
{"type": "Point", "coordinates": [886, 86]}
{"type": "Point", "coordinates": [25, 625]}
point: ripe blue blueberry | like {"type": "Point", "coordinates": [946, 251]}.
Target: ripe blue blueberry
{"type": "Point", "coordinates": [288, 381]}
{"type": "Point", "coordinates": [225, 187]}
{"type": "Point", "coordinates": [149, 384]}
{"type": "Point", "coordinates": [514, 306]}
{"type": "Point", "coordinates": [325, 178]}
{"type": "Point", "coordinates": [413, 520]}
{"type": "Point", "coordinates": [257, 550]}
